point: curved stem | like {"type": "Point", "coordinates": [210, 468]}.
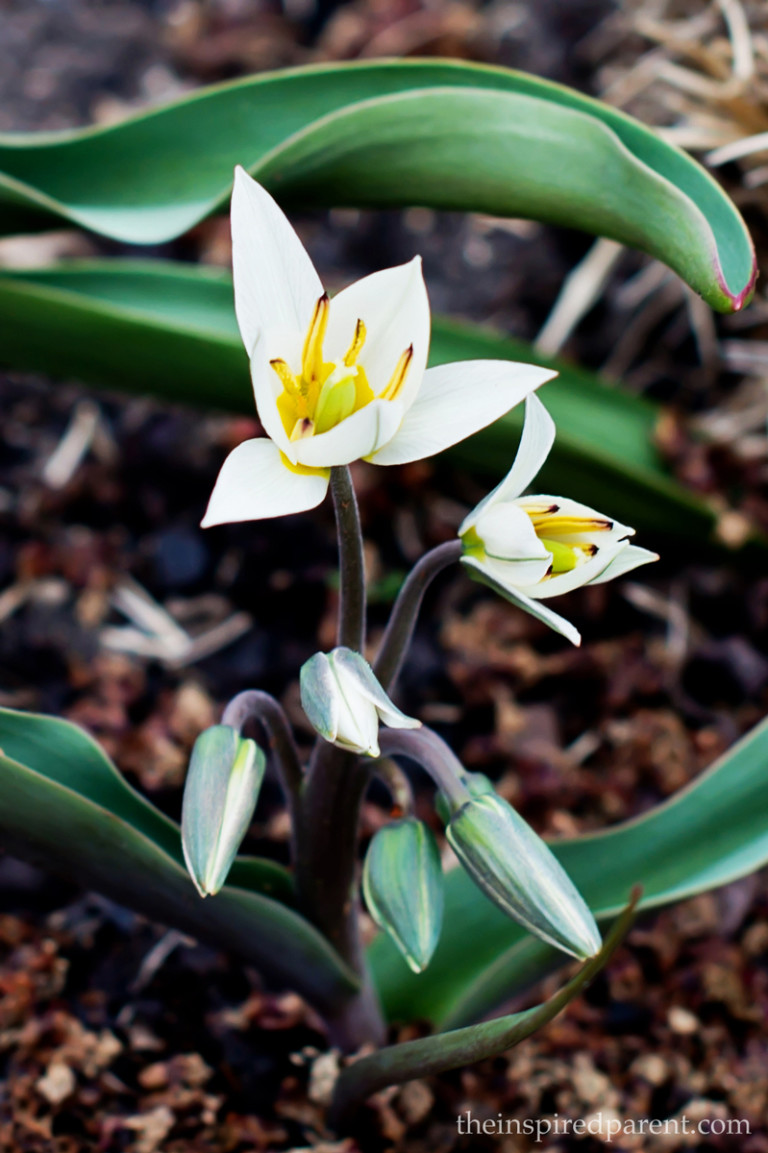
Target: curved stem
{"type": "Point", "coordinates": [397, 783]}
{"type": "Point", "coordinates": [402, 621]}
{"type": "Point", "coordinates": [259, 706]}
{"type": "Point", "coordinates": [351, 630]}
{"type": "Point", "coordinates": [431, 752]}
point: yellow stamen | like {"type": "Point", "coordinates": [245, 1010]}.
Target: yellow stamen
{"type": "Point", "coordinates": [287, 379]}
{"type": "Point", "coordinates": [569, 525]}
{"type": "Point", "coordinates": [358, 340]}
{"type": "Point", "coordinates": [303, 428]}
{"type": "Point", "coordinates": [398, 376]}
{"type": "Point", "coordinates": [312, 356]}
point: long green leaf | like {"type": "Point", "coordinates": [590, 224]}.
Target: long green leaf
{"type": "Point", "coordinates": [707, 835]}
{"type": "Point", "coordinates": [65, 807]}
{"type": "Point", "coordinates": [170, 330]}
{"type": "Point", "coordinates": [389, 133]}
{"type": "Point", "coordinates": [450, 1050]}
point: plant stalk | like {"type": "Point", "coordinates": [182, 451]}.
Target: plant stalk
{"type": "Point", "coordinates": [332, 791]}
{"type": "Point", "coordinates": [351, 628]}
{"type": "Point", "coordinates": [427, 749]}
{"type": "Point", "coordinates": [402, 621]}
{"type": "Point", "coordinates": [253, 704]}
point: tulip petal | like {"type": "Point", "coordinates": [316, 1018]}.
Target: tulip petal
{"type": "Point", "coordinates": [535, 445]}
{"type": "Point", "coordinates": [456, 400]}
{"type": "Point", "coordinates": [254, 484]}
{"type": "Point", "coordinates": [394, 308]}
{"type": "Point", "coordinates": [353, 670]}
{"type": "Point", "coordinates": [356, 437]}
{"type": "Point", "coordinates": [276, 285]}
{"type": "Point", "coordinates": [628, 559]}
{"type": "Point", "coordinates": [509, 540]}
{"type": "Point", "coordinates": [485, 574]}
{"type": "Point", "coordinates": [319, 696]}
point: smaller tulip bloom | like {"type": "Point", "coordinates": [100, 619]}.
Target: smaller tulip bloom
{"type": "Point", "coordinates": [530, 548]}
{"type": "Point", "coordinates": [344, 701]}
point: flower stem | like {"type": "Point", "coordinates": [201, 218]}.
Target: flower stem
{"type": "Point", "coordinates": [259, 706]}
{"type": "Point", "coordinates": [331, 794]}
{"type": "Point", "coordinates": [402, 621]}
{"type": "Point", "coordinates": [351, 630]}
{"type": "Point", "coordinates": [427, 749]}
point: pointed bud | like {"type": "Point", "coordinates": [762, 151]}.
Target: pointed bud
{"type": "Point", "coordinates": [520, 874]}
{"type": "Point", "coordinates": [477, 784]}
{"type": "Point", "coordinates": [403, 886]}
{"type": "Point", "coordinates": [220, 795]}
{"type": "Point", "coordinates": [344, 702]}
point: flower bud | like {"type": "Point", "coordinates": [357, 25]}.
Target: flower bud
{"type": "Point", "coordinates": [220, 795]}
{"type": "Point", "coordinates": [477, 784]}
{"type": "Point", "coordinates": [403, 886]}
{"type": "Point", "coordinates": [520, 874]}
{"type": "Point", "coordinates": [344, 702]}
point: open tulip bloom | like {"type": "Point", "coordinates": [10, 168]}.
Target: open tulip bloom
{"type": "Point", "coordinates": [529, 548]}
{"type": "Point", "coordinates": [339, 380]}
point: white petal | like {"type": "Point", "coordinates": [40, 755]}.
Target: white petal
{"type": "Point", "coordinates": [358, 721]}
{"type": "Point", "coordinates": [394, 308]}
{"type": "Point", "coordinates": [507, 533]}
{"type": "Point", "coordinates": [534, 448]}
{"type": "Point", "coordinates": [485, 573]}
{"type": "Point", "coordinates": [276, 285]}
{"type": "Point", "coordinates": [356, 437]}
{"type": "Point", "coordinates": [583, 574]}
{"type": "Point", "coordinates": [254, 484]}
{"type": "Point", "coordinates": [359, 679]}
{"type": "Point", "coordinates": [456, 400]}
{"type": "Point", "coordinates": [628, 559]}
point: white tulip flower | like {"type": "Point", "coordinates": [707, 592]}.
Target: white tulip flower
{"type": "Point", "coordinates": [344, 701]}
{"type": "Point", "coordinates": [529, 548]}
{"type": "Point", "coordinates": [339, 380]}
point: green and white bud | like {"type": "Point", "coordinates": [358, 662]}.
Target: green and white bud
{"type": "Point", "coordinates": [220, 795]}
{"type": "Point", "coordinates": [477, 785]}
{"type": "Point", "coordinates": [519, 873]}
{"type": "Point", "coordinates": [403, 887]}
{"type": "Point", "coordinates": [344, 702]}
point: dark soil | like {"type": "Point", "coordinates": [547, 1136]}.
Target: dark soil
{"type": "Point", "coordinates": [116, 1034]}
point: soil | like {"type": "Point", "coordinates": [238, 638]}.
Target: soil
{"type": "Point", "coordinates": [118, 1034]}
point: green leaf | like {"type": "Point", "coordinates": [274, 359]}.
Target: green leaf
{"type": "Point", "coordinates": [66, 808]}
{"type": "Point", "coordinates": [389, 133]}
{"type": "Point", "coordinates": [170, 330]}
{"type": "Point", "coordinates": [707, 835]}
{"type": "Point", "coordinates": [438, 1053]}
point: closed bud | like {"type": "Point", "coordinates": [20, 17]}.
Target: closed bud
{"type": "Point", "coordinates": [520, 874]}
{"type": "Point", "coordinates": [344, 701]}
{"type": "Point", "coordinates": [476, 784]}
{"type": "Point", "coordinates": [403, 886]}
{"type": "Point", "coordinates": [220, 795]}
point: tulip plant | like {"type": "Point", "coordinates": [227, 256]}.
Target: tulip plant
{"type": "Point", "coordinates": [369, 375]}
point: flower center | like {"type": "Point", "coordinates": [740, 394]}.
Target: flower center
{"type": "Point", "coordinates": [557, 531]}
{"type": "Point", "coordinates": [324, 393]}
